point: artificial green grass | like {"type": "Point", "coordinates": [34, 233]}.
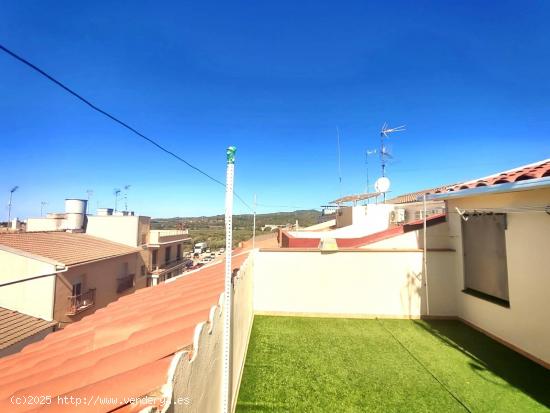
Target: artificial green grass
{"type": "Point", "coordinates": [297, 364]}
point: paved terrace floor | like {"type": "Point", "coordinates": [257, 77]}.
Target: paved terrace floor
{"type": "Point", "coordinates": [297, 364]}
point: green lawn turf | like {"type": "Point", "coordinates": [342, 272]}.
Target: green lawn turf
{"type": "Point", "coordinates": [297, 364]}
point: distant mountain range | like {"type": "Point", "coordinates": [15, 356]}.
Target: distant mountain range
{"type": "Point", "coordinates": [212, 229]}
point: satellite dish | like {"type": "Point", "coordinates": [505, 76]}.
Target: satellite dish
{"type": "Point", "coordinates": [382, 185]}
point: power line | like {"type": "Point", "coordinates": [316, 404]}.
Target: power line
{"type": "Point", "coordinates": [113, 118]}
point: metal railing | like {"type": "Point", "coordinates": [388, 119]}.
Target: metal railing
{"type": "Point", "coordinates": [81, 302]}
{"type": "Point", "coordinates": [168, 264]}
{"type": "Point", "coordinates": [125, 283]}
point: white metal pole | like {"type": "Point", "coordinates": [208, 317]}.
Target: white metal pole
{"type": "Point", "coordinates": [9, 211]}
{"type": "Point", "coordinates": [228, 292]}
{"type": "Point", "coordinates": [425, 259]}
{"type": "Point", "coordinates": [254, 225]}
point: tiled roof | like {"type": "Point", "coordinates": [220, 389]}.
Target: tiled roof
{"type": "Point", "coordinates": [535, 170]}
{"type": "Point", "coordinates": [121, 351]}
{"type": "Point", "coordinates": [15, 326]}
{"type": "Point", "coordinates": [64, 247]}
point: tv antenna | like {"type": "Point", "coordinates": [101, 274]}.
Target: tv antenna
{"type": "Point", "coordinates": [42, 205]}
{"type": "Point", "coordinates": [90, 193]}
{"type": "Point", "coordinates": [126, 187]}
{"type": "Point", "coordinates": [339, 163]}
{"type": "Point", "coordinates": [367, 154]}
{"type": "Point", "coordinates": [116, 192]}
{"type": "Point", "coordinates": [385, 133]}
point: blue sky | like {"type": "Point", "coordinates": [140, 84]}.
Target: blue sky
{"type": "Point", "coordinates": [469, 79]}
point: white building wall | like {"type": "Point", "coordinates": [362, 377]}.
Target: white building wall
{"type": "Point", "coordinates": [33, 297]}
{"type": "Point", "coordinates": [526, 324]}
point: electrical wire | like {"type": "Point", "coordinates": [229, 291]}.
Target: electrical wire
{"type": "Point", "coordinates": [115, 119]}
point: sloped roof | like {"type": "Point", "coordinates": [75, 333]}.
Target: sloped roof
{"type": "Point", "coordinates": [65, 247]}
{"type": "Point", "coordinates": [16, 326]}
{"type": "Point", "coordinates": [121, 351]}
{"type": "Point", "coordinates": [535, 170]}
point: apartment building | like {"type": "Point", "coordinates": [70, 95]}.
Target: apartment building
{"type": "Point", "coordinates": [64, 276]}
{"type": "Point", "coordinates": [161, 250]}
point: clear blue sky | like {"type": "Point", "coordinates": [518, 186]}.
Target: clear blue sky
{"type": "Point", "coordinates": [469, 79]}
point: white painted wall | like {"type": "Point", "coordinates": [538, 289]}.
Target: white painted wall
{"type": "Point", "coordinates": [526, 324]}
{"type": "Point", "coordinates": [32, 297]}
{"type": "Point", "coordinates": [199, 379]}
{"type": "Point", "coordinates": [127, 230]}
{"type": "Point", "coordinates": [353, 283]}
{"type": "Point", "coordinates": [353, 222]}
{"type": "Point", "coordinates": [437, 237]}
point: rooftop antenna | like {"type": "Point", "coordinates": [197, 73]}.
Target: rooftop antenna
{"type": "Point", "coordinates": [42, 205]}
{"type": "Point", "coordinates": [15, 188]}
{"type": "Point", "coordinates": [384, 152]}
{"type": "Point", "coordinates": [116, 192]}
{"type": "Point", "coordinates": [126, 187]}
{"type": "Point", "coordinates": [367, 154]}
{"type": "Point", "coordinates": [90, 193]}
{"type": "Point", "coordinates": [339, 163]}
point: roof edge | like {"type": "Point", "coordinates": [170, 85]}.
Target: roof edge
{"type": "Point", "coordinates": [494, 189]}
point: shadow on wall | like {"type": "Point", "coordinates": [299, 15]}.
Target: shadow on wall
{"type": "Point", "coordinates": [487, 354]}
{"type": "Point", "coordinates": [411, 293]}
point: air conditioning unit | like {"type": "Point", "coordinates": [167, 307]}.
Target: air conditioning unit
{"type": "Point", "coordinates": [397, 216]}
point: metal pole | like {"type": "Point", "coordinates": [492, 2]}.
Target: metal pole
{"type": "Point", "coordinates": [254, 225]}
{"type": "Point", "coordinates": [425, 259]}
{"type": "Point", "coordinates": [228, 291]}
{"type": "Point", "coordinates": [9, 210]}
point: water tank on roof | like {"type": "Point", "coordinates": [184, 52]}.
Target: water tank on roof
{"type": "Point", "coordinates": [75, 214]}
{"type": "Point", "coordinates": [75, 206]}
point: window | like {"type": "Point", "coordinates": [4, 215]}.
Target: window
{"type": "Point", "coordinates": [154, 258]}
{"type": "Point", "coordinates": [77, 289]}
{"type": "Point", "coordinates": [484, 247]}
{"type": "Point", "coordinates": [178, 252]}
{"type": "Point", "coordinates": [167, 254]}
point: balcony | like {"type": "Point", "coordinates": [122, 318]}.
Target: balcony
{"type": "Point", "coordinates": [166, 265]}
{"type": "Point", "coordinates": [81, 302]}
{"type": "Point", "coordinates": [125, 283]}
{"type": "Point", "coordinates": [163, 236]}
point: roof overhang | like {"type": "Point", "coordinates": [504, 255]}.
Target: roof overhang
{"type": "Point", "coordinates": [526, 185]}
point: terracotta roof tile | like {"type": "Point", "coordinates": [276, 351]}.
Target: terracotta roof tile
{"type": "Point", "coordinates": [121, 351]}
{"type": "Point", "coordinates": [65, 247]}
{"type": "Point", "coordinates": [535, 170]}
{"type": "Point", "coordinates": [15, 326]}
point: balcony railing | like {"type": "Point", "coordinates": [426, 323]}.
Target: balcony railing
{"type": "Point", "coordinates": [168, 264]}
{"type": "Point", "coordinates": [81, 302]}
{"type": "Point", "coordinates": [125, 283]}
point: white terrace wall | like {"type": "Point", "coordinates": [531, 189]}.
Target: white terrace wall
{"type": "Point", "coordinates": [354, 283]}
{"type": "Point", "coordinates": [195, 376]}
{"type": "Point", "coordinates": [526, 324]}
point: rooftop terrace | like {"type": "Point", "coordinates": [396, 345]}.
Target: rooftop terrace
{"type": "Point", "coordinates": [354, 365]}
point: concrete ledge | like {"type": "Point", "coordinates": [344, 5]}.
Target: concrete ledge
{"type": "Point", "coordinates": [356, 250]}
{"type": "Point", "coordinates": [336, 315]}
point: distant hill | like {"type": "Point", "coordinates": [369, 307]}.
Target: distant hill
{"type": "Point", "coordinates": [212, 229]}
